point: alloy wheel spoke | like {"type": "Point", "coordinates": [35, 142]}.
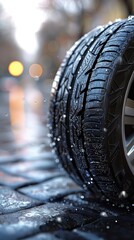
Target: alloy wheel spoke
{"type": "Point", "coordinates": [131, 155]}
{"type": "Point", "coordinates": [129, 112]}
{"type": "Point", "coordinates": [130, 149]}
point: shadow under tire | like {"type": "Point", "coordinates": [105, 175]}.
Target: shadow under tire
{"type": "Point", "coordinates": [92, 111]}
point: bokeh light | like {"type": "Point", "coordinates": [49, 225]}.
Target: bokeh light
{"type": "Point", "coordinates": [15, 68]}
{"type": "Point", "coordinates": [35, 70]}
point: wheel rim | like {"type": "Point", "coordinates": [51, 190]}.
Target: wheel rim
{"type": "Point", "coordinates": [128, 124]}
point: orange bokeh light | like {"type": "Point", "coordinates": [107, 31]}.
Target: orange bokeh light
{"type": "Point", "coordinates": [35, 70]}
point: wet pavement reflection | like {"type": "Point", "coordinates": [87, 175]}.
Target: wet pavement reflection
{"type": "Point", "coordinates": [22, 124]}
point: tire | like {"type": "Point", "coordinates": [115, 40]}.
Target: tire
{"type": "Point", "coordinates": [92, 111]}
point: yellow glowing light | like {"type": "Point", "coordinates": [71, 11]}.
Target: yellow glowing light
{"type": "Point", "coordinates": [35, 70]}
{"type": "Point", "coordinates": [15, 68]}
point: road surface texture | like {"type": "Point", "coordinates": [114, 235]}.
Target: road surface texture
{"type": "Point", "coordinates": [38, 201]}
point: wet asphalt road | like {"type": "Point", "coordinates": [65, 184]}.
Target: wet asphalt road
{"type": "Point", "coordinates": [38, 201]}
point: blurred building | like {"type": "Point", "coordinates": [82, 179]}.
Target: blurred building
{"type": "Point", "coordinates": [41, 31]}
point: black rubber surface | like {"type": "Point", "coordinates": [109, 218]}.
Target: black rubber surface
{"type": "Point", "coordinates": [86, 108]}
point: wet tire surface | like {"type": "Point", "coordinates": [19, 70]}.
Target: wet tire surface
{"type": "Point", "coordinates": [86, 109]}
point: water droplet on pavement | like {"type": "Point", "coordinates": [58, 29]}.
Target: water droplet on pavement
{"type": "Point", "coordinates": [110, 31]}
{"type": "Point", "coordinates": [118, 20]}
{"type": "Point", "coordinates": [58, 219]}
{"type": "Point", "coordinates": [130, 17]}
{"type": "Point", "coordinates": [82, 197]}
{"type": "Point", "coordinates": [103, 214]}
